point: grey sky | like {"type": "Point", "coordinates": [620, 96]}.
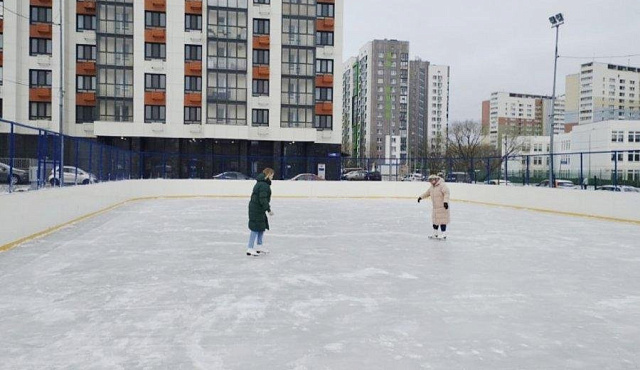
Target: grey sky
{"type": "Point", "coordinates": [499, 45]}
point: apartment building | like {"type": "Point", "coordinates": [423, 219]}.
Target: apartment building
{"type": "Point", "coordinates": [227, 77]}
{"type": "Point", "coordinates": [601, 92]}
{"type": "Point", "coordinates": [392, 105]}
{"type": "Point", "coordinates": [518, 114]}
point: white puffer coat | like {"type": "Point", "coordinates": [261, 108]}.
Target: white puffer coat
{"type": "Point", "coordinates": [439, 194]}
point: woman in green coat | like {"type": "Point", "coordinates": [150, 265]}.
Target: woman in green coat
{"type": "Point", "coordinates": [259, 206]}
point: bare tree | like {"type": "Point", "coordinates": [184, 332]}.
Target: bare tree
{"type": "Point", "coordinates": [467, 148]}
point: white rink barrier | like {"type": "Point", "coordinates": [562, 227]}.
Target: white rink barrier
{"type": "Point", "coordinates": [24, 216]}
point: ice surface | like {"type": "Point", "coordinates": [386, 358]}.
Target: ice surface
{"type": "Point", "coordinates": [349, 284]}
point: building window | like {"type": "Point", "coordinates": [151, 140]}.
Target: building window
{"type": "Point", "coordinates": [192, 115]}
{"type": "Point", "coordinates": [192, 53]}
{"type": "Point", "coordinates": [155, 82]}
{"type": "Point", "coordinates": [297, 32]}
{"type": "Point", "coordinates": [85, 22]}
{"type": "Point", "coordinates": [324, 66]}
{"type": "Point", "coordinates": [40, 46]}
{"type": "Point", "coordinates": [193, 84]}
{"type": "Point", "coordinates": [41, 14]}
{"type": "Point", "coordinates": [85, 52]}
{"type": "Point", "coordinates": [155, 19]}
{"type": "Point", "coordinates": [260, 57]}
{"type": "Point", "coordinates": [260, 117]}
{"type": "Point", "coordinates": [260, 87]}
{"type": "Point", "coordinates": [85, 83]}
{"type": "Point", "coordinates": [85, 114]}
{"type": "Point", "coordinates": [325, 10]}
{"type": "Point", "coordinates": [324, 122]}
{"type": "Point", "coordinates": [297, 62]}
{"type": "Point", "coordinates": [40, 111]}
{"type": "Point", "coordinates": [324, 94]}
{"type": "Point", "coordinates": [324, 38]}
{"type": "Point", "coordinates": [155, 113]}
{"type": "Point", "coordinates": [618, 155]}
{"type": "Point", "coordinates": [260, 26]}
{"type": "Point", "coordinates": [262, 1]}
{"type": "Point", "coordinates": [39, 78]}
{"type": "Point", "coordinates": [617, 136]}
{"type": "Point", "coordinates": [297, 117]}
{"type": "Point", "coordinates": [634, 156]}
{"type": "Point", "coordinates": [297, 91]}
{"type": "Point", "coordinates": [634, 136]}
{"type": "Point", "coordinates": [154, 50]}
{"type": "Point", "coordinates": [193, 22]}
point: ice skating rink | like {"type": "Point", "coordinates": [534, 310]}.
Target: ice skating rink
{"type": "Point", "coordinates": [349, 284]}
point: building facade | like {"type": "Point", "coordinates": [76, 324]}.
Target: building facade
{"type": "Point", "coordinates": [517, 114]}
{"type": "Point", "coordinates": [227, 77]}
{"type": "Point", "coordinates": [392, 106]}
{"type": "Point", "coordinates": [601, 92]}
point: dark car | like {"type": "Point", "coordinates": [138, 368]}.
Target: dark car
{"type": "Point", "coordinates": [18, 176]}
{"type": "Point", "coordinates": [373, 176]}
{"type": "Point", "coordinates": [232, 175]}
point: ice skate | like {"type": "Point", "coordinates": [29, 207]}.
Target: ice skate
{"type": "Point", "coordinates": [443, 236]}
{"type": "Point", "coordinates": [252, 252]}
{"type": "Point", "coordinates": [262, 250]}
{"type": "Point", "coordinates": [435, 235]}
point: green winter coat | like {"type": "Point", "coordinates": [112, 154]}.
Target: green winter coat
{"type": "Point", "coordinates": [260, 204]}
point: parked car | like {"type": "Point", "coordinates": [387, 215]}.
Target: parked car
{"type": "Point", "coordinates": [561, 184]}
{"type": "Point", "coordinates": [71, 175]}
{"type": "Point", "coordinates": [232, 175]}
{"type": "Point", "coordinates": [373, 176]}
{"type": "Point", "coordinates": [346, 171]}
{"type": "Point", "coordinates": [499, 182]}
{"type": "Point", "coordinates": [358, 175]}
{"type": "Point", "coordinates": [18, 176]}
{"type": "Point", "coordinates": [458, 177]}
{"type": "Point", "coordinates": [307, 177]}
{"type": "Point", "coordinates": [413, 177]}
{"type": "Point", "coordinates": [620, 188]}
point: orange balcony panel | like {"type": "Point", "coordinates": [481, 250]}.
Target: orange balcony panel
{"type": "Point", "coordinates": [86, 68]}
{"type": "Point", "coordinates": [155, 5]}
{"type": "Point", "coordinates": [1, 25]}
{"type": "Point", "coordinates": [155, 98]}
{"type": "Point", "coordinates": [324, 109]}
{"type": "Point", "coordinates": [193, 7]}
{"type": "Point", "coordinates": [86, 99]}
{"type": "Point", "coordinates": [41, 30]}
{"type": "Point", "coordinates": [155, 35]}
{"type": "Point", "coordinates": [261, 42]}
{"type": "Point", "coordinates": [193, 100]}
{"type": "Point", "coordinates": [46, 3]}
{"type": "Point", "coordinates": [193, 69]}
{"type": "Point", "coordinates": [326, 24]}
{"type": "Point", "coordinates": [261, 72]}
{"type": "Point", "coordinates": [1, 58]}
{"type": "Point", "coordinates": [40, 94]}
{"type": "Point", "coordinates": [86, 7]}
{"type": "Point", "coordinates": [324, 81]}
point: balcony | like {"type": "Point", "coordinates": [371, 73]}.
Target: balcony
{"type": "Point", "coordinates": [193, 7]}
{"type": "Point", "coordinates": [261, 72]}
{"type": "Point", "coordinates": [86, 7]}
{"type": "Point", "coordinates": [155, 35]}
{"type": "Point", "coordinates": [155, 98]}
{"type": "Point", "coordinates": [193, 100]}
{"type": "Point", "coordinates": [86, 99]}
{"type": "Point", "coordinates": [86, 68]}
{"type": "Point", "coordinates": [41, 30]}
{"type": "Point", "coordinates": [40, 94]}
{"type": "Point", "coordinates": [193, 69]}
{"type": "Point", "coordinates": [155, 5]}
{"type": "Point", "coordinates": [324, 81]}
{"type": "Point", "coordinates": [261, 42]}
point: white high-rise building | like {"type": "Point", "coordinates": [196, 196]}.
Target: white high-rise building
{"type": "Point", "coordinates": [603, 92]}
{"type": "Point", "coordinates": [243, 77]}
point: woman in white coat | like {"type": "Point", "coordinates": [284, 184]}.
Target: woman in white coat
{"type": "Point", "coordinates": [439, 193]}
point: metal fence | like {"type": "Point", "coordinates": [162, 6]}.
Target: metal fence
{"type": "Point", "coordinates": [30, 158]}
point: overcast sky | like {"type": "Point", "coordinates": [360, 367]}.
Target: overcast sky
{"type": "Point", "coordinates": [498, 45]}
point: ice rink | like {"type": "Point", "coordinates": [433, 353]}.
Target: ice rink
{"type": "Point", "coordinates": [349, 284]}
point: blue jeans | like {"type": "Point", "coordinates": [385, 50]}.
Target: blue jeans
{"type": "Point", "coordinates": [253, 236]}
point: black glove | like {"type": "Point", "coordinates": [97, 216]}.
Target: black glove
{"type": "Point", "coordinates": [446, 205]}
{"type": "Point", "coordinates": [419, 199]}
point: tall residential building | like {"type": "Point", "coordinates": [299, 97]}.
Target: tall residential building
{"type": "Point", "coordinates": [377, 83]}
{"type": "Point", "coordinates": [603, 92]}
{"type": "Point", "coordinates": [240, 77]}
{"type": "Point", "coordinates": [393, 108]}
{"type": "Point", "coordinates": [520, 115]}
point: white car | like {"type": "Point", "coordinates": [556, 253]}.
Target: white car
{"type": "Point", "coordinates": [71, 175]}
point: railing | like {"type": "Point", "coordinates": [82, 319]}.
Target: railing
{"type": "Point", "coordinates": [30, 159]}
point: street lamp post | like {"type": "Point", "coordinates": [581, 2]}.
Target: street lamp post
{"type": "Point", "coordinates": [556, 21]}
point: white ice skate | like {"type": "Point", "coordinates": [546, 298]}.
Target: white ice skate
{"type": "Point", "coordinates": [262, 250]}
{"type": "Point", "coordinates": [443, 236]}
{"type": "Point", "coordinates": [435, 235]}
{"type": "Point", "coordinates": [252, 252]}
